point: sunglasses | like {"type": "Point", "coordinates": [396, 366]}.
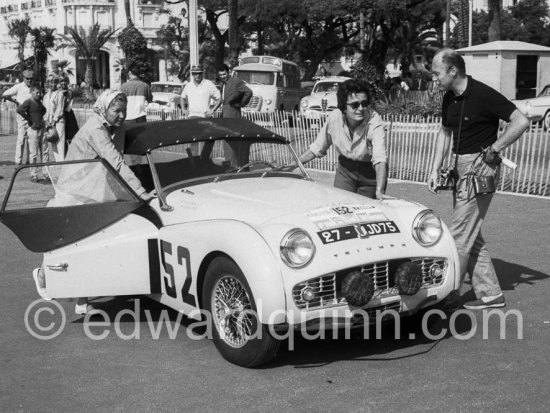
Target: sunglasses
{"type": "Point", "coordinates": [355, 105]}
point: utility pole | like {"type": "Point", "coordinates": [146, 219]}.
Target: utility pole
{"type": "Point", "coordinates": [470, 14]}
{"type": "Point", "coordinates": [193, 34]}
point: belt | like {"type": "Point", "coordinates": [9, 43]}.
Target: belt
{"type": "Point", "coordinates": [352, 164]}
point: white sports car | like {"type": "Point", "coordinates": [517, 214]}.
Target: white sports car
{"type": "Point", "coordinates": [239, 230]}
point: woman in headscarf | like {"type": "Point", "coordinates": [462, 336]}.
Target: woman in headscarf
{"type": "Point", "coordinates": [102, 136]}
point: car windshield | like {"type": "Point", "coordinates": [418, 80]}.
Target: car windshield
{"type": "Point", "coordinates": [323, 87]}
{"type": "Point", "coordinates": [545, 91]}
{"type": "Point", "coordinates": [257, 77]}
{"type": "Point", "coordinates": [177, 89]}
{"type": "Point", "coordinates": [193, 163]}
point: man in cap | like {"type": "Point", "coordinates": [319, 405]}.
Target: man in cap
{"type": "Point", "coordinates": [18, 94]}
{"type": "Point", "coordinates": [198, 94]}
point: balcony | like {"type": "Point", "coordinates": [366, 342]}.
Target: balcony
{"type": "Point", "coordinates": [88, 2]}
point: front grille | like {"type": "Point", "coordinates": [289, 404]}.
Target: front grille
{"type": "Point", "coordinates": [254, 103]}
{"type": "Point", "coordinates": [327, 288]}
{"type": "Point", "coordinates": [320, 109]}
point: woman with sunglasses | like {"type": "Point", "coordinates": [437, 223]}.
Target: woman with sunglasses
{"type": "Point", "coordinates": [357, 133]}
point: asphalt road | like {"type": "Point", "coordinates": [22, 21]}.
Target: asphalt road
{"type": "Point", "coordinates": [80, 371]}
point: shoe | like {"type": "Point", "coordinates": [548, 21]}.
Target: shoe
{"type": "Point", "coordinates": [486, 302]}
{"type": "Point", "coordinates": [39, 289]}
{"type": "Point", "coordinates": [81, 308]}
{"type": "Point", "coordinates": [34, 179]}
{"type": "Point", "coordinates": [449, 305]}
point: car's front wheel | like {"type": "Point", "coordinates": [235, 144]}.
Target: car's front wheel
{"type": "Point", "coordinates": [236, 330]}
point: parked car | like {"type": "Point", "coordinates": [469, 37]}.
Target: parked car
{"type": "Point", "coordinates": [240, 231]}
{"type": "Point", "coordinates": [166, 100]}
{"type": "Point", "coordinates": [322, 98]}
{"type": "Point", "coordinates": [537, 109]}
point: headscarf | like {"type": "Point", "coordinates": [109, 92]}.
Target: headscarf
{"type": "Point", "coordinates": [102, 103]}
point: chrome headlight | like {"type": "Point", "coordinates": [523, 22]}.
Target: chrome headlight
{"type": "Point", "coordinates": [297, 248]}
{"type": "Point", "coordinates": [304, 103]}
{"type": "Point", "coordinates": [427, 229]}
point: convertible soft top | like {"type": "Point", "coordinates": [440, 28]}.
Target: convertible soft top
{"type": "Point", "coordinates": [143, 137]}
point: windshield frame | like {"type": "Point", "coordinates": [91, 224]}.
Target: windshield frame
{"type": "Point", "coordinates": [234, 173]}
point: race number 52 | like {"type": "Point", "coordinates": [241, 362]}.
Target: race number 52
{"type": "Point", "coordinates": [183, 263]}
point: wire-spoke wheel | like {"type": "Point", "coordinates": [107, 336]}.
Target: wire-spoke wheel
{"type": "Point", "coordinates": [236, 330]}
{"type": "Point", "coordinates": [232, 311]}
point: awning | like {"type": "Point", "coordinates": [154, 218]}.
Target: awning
{"type": "Point", "coordinates": [13, 68]}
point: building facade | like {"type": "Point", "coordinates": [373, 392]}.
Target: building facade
{"type": "Point", "coordinates": [60, 14]}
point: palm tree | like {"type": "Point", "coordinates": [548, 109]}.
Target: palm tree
{"type": "Point", "coordinates": [42, 40]}
{"type": "Point", "coordinates": [18, 29]}
{"type": "Point", "coordinates": [88, 45]}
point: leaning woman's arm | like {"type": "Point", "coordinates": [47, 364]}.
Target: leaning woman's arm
{"type": "Point", "coordinates": [381, 179]}
{"type": "Point", "coordinates": [104, 147]}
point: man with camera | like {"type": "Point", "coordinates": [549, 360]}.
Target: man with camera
{"type": "Point", "coordinates": [471, 112]}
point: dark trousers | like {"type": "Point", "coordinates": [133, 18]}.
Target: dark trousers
{"type": "Point", "coordinates": [356, 176]}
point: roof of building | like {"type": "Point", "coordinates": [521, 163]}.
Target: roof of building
{"type": "Point", "coordinates": [505, 45]}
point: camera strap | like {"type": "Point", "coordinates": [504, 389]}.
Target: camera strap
{"type": "Point", "coordinates": [458, 137]}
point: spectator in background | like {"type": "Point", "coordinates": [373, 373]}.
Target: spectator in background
{"type": "Point", "coordinates": [58, 72]}
{"type": "Point", "coordinates": [235, 93]}
{"type": "Point", "coordinates": [33, 111]}
{"type": "Point", "coordinates": [357, 133]}
{"type": "Point", "coordinates": [18, 94]}
{"type": "Point", "coordinates": [71, 124]}
{"type": "Point", "coordinates": [138, 94]}
{"type": "Point", "coordinates": [198, 93]}
{"type": "Point", "coordinates": [407, 83]}
{"type": "Point", "coordinates": [54, 101]}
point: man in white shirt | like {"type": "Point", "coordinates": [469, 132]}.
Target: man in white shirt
{"type": "Point", "coordinates": [18, 94]}
{"type": "Point", "coordinates": [197, 95]}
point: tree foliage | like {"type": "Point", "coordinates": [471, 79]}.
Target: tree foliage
{"type": "Point", "coordinates": [88, 44]}
{"type": "Point", "coordinates": [19, 29]}
{"type": "Point", "coordinates": [134, 47]}
{"type": "Point", "coordinates": [43, 39]}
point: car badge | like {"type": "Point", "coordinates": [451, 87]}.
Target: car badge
{"type": "Point", "coordinates": [324, 104]}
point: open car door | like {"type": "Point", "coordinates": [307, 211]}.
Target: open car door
{"type": "Point", "coordinates": [98, 236]}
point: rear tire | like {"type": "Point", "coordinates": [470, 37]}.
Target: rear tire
{"type": "Point", "coordinates": [236, 331]}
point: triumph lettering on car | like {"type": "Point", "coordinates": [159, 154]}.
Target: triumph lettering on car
{"type": "Point", "coordinates": [239, 237]}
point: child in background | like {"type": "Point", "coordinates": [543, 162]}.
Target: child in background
{"type": "Point", "coordinates": [33, 111]}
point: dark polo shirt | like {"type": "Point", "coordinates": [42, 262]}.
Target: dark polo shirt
{"type": "Point", "coordinates": [483, 108]}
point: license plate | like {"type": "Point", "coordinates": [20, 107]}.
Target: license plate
{"type": "Point", "coordinates": [357, 231]}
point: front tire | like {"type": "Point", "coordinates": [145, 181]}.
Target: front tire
{"type": "Point", "coordinates": [236, 331]}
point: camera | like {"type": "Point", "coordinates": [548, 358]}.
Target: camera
{"type": "Point", "coordinates": [446, 179]}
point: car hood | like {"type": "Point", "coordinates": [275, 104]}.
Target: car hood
{"type": "Point", "coordinates": [316, 97]}
{"type": "Point", "coordinates": [260, 201]}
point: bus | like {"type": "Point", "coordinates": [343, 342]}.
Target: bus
{"type": "Point", "coordinates": [275, 83]}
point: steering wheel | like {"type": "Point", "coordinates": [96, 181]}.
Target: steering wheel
{"type": "Point", "coordinates": [252, 163]}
